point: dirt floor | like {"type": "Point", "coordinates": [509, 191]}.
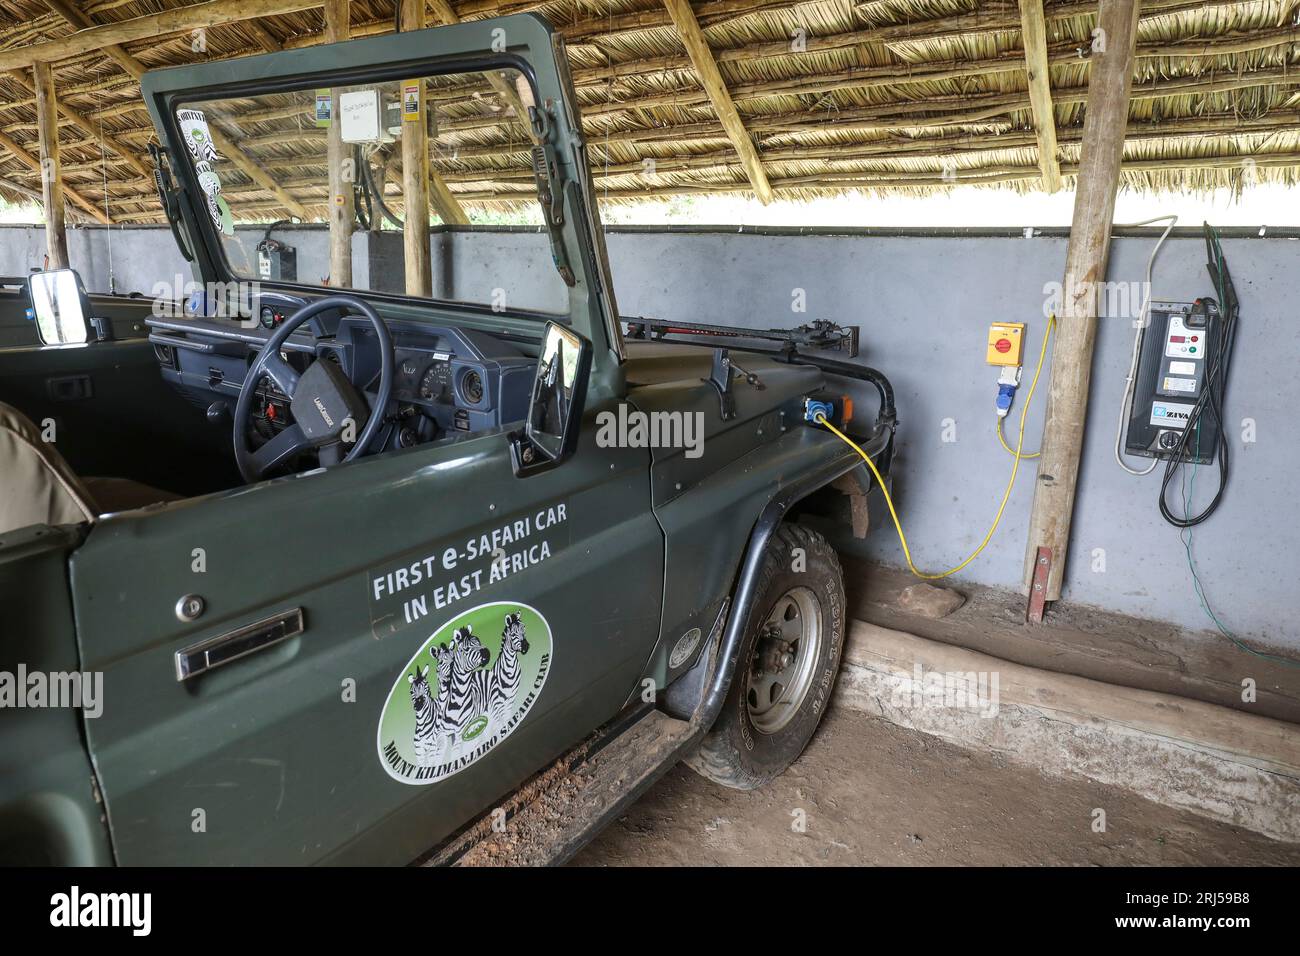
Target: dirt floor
{"type": "Point", "coordinates": [870, 792]}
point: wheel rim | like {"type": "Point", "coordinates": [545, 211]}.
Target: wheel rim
{"type": "Point", "coordinates": [785, 656]}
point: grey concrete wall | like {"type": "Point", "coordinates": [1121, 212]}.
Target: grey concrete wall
{"type": "Point", "coordinates": [924, 303]}
{"type": "Point", "coordinates": [136, 257]}
{"type": "Point", "coordinates": [471, 268]}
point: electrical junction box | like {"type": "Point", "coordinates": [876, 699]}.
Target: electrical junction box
{"type": "Point", "coordinates": [1180, 340]}
{"type": "Point", "coordinates": [1006, 343]}
{"type": "Point", "coordinates": [366, 116]}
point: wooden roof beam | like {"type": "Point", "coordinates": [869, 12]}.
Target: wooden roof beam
{"type": "Point", "coordinates": [265, 38]}
{"type": "Point", "coordinates": [1033, 32]}
{"type": "Point", "coordinates": [692, 37]}
{"type": "Point", "coordinates": [90, 128]}
{"type": "Point", "coordinates": [90, 36]}
{"type": "Point", "coordinates": [34, 164]}
{"type": "Point", "coordinates": [28, 193]}
{"type": "Point", "coordinates": [249, 8]}
{"type": "Point", "coordinates": [906, 114]}
{"type": "Point", "coordinates": [444, 11]}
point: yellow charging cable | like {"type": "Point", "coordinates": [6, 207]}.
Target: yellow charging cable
{"type": "Point", "coordinates": [1020, 441]}
{"type": "Point", "coordinates": [1011, 451]}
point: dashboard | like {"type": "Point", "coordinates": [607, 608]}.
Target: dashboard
{"type": "Point", "coordinates": [447, 381]}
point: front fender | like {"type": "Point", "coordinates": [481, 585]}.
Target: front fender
{"type": "Point", "coordinates": [709, 528]}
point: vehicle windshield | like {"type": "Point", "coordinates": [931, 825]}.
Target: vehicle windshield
{"type": "Point", "coordinates": [479, 116]}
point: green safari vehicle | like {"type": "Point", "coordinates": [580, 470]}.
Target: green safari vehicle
{"type": "Point", "coordinates": [420, 557]}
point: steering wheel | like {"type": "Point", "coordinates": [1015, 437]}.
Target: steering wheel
{"type": "Point", "coordinates": [324, 402]}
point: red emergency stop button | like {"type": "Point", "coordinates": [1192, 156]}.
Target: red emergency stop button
{"type": "Point", "coordinates": [1003, 345]}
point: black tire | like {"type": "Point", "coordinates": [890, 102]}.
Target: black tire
{"type": "Point", "coordinates": [736, 752]}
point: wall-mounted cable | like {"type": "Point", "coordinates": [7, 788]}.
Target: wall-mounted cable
{"type": "Point", "coordinates": [1144, 317]}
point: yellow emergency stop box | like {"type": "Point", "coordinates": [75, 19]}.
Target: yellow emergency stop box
{"type": "Point", "coordinates": [1006, 343]}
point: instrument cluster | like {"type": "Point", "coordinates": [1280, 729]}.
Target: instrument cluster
{"type": "Point", "coordinates": [439, 378]}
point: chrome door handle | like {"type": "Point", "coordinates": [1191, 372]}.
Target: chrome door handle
{"type": "Point", "coordinates": [224, 648]}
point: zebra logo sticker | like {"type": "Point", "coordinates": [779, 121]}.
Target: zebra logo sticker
{"type": "Point", "coordinates": [467, 688]}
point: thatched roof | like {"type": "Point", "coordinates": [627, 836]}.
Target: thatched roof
{"type": "Point", "coordinates": [882, 95]}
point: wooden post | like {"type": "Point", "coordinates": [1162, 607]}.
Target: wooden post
{"type": "Point", "coordinates": [415, 181]}
{"type": "Point", "coordinates": [1110, 82]}
{"type": "Point", "coordinates": [342, 170]}
{"type": "Point", "coordinates": [47, 128]}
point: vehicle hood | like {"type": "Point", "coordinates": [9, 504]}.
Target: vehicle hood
{"type": "Point", "coordinates": [670, 378]}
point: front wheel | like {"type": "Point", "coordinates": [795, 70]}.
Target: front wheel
{"type": "Point", "coordinates": [787, 664]}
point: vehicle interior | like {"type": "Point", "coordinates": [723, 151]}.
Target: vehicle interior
{"type": "Point", "coordinates": [278, 369]}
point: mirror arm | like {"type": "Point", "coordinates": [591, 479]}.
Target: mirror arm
{"type": "Point", "coordinates": [526, 458]}
{"type": "Point", "coordinates": [102, 326]}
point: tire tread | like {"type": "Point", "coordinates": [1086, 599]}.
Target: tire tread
{"type": "Point", "coordinates": [717, 758]}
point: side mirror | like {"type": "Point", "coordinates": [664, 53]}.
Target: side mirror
{"type": "Point", "coordinates": [60, 307]}
{"type": "Point", "coordinates": [550, 433]}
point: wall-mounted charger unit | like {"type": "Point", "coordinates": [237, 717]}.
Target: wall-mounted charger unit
{"type": "Point", "coordinates": [276, 261]}
{"type": "Point", "coordinates": [1180, 342]}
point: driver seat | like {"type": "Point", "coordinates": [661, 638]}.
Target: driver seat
{"type": "Point", "coordinates": [41, 488]}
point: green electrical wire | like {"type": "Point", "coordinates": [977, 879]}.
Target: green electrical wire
{"type": "Point", "coordinates": [1189, 490]}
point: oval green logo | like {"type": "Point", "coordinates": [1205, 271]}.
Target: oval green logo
{"type": "Point", "coordinates": [474, 729]}
{"type": "Point", "coordinates": [470, 684]}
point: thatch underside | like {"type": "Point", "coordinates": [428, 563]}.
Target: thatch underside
{"type": "Point", "coordinates": [882, 96]}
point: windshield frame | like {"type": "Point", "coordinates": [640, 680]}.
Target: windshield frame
{"type": "Point", "coordinates": [426, 67]}
{"type": "Point", "coordinates": [524, 42]}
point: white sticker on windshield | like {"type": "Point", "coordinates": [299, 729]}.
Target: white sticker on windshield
{"type": "Point", "coordinates": [198, 139]}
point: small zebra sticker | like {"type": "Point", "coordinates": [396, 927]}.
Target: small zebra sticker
{"type": "Point", "coordinates": [467, 688]}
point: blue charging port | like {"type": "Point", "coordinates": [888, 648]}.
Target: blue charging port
{"type": "Point", "coordinates": [812, 408]}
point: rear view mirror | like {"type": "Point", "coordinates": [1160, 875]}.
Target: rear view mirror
{"type": "Point", "coordinates": [59, 306]}
{"type": "Point", "coordinates": [555, 411]}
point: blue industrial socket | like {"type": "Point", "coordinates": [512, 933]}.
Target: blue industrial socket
{"type": "Point", "coordinates": [812, 408]}
{"type": "Point", "coordinates": [1005, 394]}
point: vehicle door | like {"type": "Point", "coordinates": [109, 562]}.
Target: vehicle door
{"type": "Point", "coordinates": [274, 657]}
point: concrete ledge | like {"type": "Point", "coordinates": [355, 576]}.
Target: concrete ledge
{"type": "Point", "coordinates": [1212, 760]}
